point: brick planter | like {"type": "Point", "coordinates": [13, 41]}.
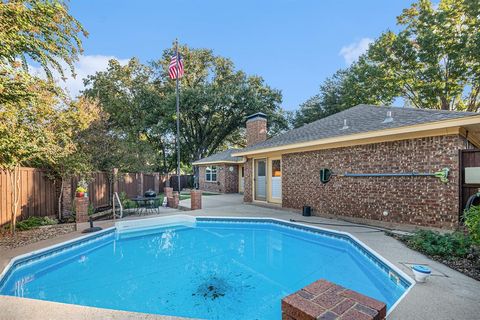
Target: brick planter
{"type": "Point", "coordinates": [328, 301]}
{"type": "Point", "coordinates": [195, 199]}
{"type": "Point", "coordinates": [81, 209]}
{"type": "Point", "coordinates": [168, 192]}
{"type": "Point", "coordinates": [174, 200]}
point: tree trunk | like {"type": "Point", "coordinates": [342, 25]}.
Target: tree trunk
{"type": "Point", "coordinates": [60, 200]}
{"type": "Point", "coordinates": [15, 190]}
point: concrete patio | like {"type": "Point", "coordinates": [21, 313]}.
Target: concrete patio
{"type": "Point", "coordinates": [448, 294]}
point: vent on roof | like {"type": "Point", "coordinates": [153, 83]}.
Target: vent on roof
{"type": "Point", "coordinates": [345, 125]}
{"type": "Point", "coordinates": [389, 117]}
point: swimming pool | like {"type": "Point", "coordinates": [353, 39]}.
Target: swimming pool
{"type": "Point", "coordinates": [213, 268]}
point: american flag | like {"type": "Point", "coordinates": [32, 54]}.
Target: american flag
{"type": "Point", "coordinates": [173, 71]}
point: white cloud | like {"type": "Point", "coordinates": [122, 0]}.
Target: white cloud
{"type": "Point", "coordinates": [86, 65]}
{"type": "Point", "coordinates": [354, 50]}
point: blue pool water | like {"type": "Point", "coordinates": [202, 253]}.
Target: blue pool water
{"type": "Point", "coordinates": [214, 270]}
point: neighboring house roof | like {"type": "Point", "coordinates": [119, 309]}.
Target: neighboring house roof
{"type": "Point", "coordinates": [358, 119]}
{"type": "Point", "coordinates": [220, 157]}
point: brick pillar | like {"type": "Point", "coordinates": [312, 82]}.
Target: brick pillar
{"type": "Point", "coordinates": [196, 199]}
{"type": "Point", "coordinates": [168, 192]}
{"type": "Point", "coordinates": [156, 182]}
{"type": "Point", "coordinates": [173, 201]}
{"type": "Point", "coordinates": [326, 300]}
{"type": "Point", "coordinates": [81, 209]}
{"type": "Point", "coordinates": [67, 198]}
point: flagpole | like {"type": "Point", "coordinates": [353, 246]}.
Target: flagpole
{"type": "Point", "coordinates": [178, 119]}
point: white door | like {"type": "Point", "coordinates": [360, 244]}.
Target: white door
{"type": "Point", "coordinates": [260, 179]}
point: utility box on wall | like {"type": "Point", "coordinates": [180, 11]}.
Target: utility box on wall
{"type": "Point", "coordinates": [472, 175]}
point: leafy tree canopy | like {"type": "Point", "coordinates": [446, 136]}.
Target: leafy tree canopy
{"type": "Point", "coordinates": [433, 62]}
{"type": "Point", "coordinates": [215, 99]}
{"type": "Point", "coordinates": [42, 31]}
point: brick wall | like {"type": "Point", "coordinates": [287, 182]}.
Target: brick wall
{"type": "Point", "coordinates": [227, 181]}
{"type": "Point", "coordinates": [256, 131]}
{"type": "Point", "coordinates": [247, 178]}
{"type": "Point", "coordinates": [409, 200]}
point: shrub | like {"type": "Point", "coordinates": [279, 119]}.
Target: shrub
{"type": "Point", "coordinates": [35, 222]}
{"type": "Point", "coordinates": [436, 244]}
{"type": "Point", "coordinates": [126, 203]}
{"type": "Point", "coordinates": [472, 222]}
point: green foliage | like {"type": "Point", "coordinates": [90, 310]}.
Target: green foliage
{"type": "Point", "coordinates": [472, 222]}
{"type": "Point", "coordinates": [34, 222]}
{"type": "Point", "coordinates": [91, 209]}
{"type": "Point", "coordinates": [345, 89]}
{"type": "Point", "coordinates": [41, 30]}
{"type": "Point", "coordinates": [36, 122]}
{"type": "Point", "coordinates": [436, 244]}
{"type": "Point", "coordinates": [139, 101]}
{"type": "Point", "coordinates": [432, 62]}
{"type": "Point", "coordinates": [126, 203]}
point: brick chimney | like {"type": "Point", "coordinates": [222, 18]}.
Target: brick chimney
{"type": "Point", "coordinates": [256, 128]}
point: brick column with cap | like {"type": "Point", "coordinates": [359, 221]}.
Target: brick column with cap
{"type": "Point", "coordinates": [81, 209]}
{"type": "Point", "coordinates": [195, 199]}
{"type": "Point", "coordinates": [326, 300]}
{"type": "Point", "coordinates": [173, 200]}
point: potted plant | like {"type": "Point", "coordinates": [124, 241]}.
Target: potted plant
{"type": "Point", "coordinates": [80, 192]}
{"type": "Point", "coordinates": [81, 189]}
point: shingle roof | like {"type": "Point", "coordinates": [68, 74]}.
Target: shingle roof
{"type": "Point", "coordinates": [359, 119]}
{"type": "Point", "coordinates": [220, 156]}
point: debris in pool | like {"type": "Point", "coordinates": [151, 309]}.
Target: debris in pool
{"type": "Point", "coordinates": [213, 288]}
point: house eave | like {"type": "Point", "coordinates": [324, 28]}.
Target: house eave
{"type": "Point", "coordinates": [445, 127]}
{"type": "Point", "coordinates": [217, 162]}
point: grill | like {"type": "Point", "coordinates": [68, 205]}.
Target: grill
{"type": "Point", "coordinates": [150, 194]}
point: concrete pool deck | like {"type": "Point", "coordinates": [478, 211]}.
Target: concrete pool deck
{"type": "Point", "coordinates": [448, 294]}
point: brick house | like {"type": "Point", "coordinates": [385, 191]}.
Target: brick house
{"type": "Point", "coordinates": [221, 172]}
{"type": "Point", "coordinates": [224, 173]}
{"type": "Point", "coordinates": [375, 155]}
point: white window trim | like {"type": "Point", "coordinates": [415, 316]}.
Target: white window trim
{"type": "Point", "coordinates": [211, 171]}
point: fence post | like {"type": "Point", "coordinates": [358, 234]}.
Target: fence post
{"type": "Point", "coordinates": [156, 182]}
{"type": "Point", "coordinates": [140, 184]}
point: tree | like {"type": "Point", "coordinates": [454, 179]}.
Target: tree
{"type": "Point", "coordinates": [72, 161]}
{"type": "Point", "coordinates": [434, 62]}
{"type": "Point", "coordinates": [132, 118]}
{"type": "Point", "coordinates": [30, 111]}
{"type": "Point", "coordinates": [41, 30]}
{"type": "Point", "coordinates": [215, 99]}
{"type": "Point", "coordinates": [345, 89]}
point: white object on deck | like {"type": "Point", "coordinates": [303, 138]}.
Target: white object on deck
{"type": "Point", "coordinates": [176, 220]}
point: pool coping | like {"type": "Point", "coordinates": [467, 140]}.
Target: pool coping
{"type": "Point", "coordinates": [143, 223]}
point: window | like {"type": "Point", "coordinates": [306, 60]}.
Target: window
{"type": "Point", "coordinates": [211, 174]}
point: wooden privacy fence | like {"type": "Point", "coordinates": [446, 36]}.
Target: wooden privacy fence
{"type": "Point", "coordinates": [38, 195]}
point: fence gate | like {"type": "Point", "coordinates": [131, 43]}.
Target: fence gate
{"type": "Point", "coordinates": [468, 159]}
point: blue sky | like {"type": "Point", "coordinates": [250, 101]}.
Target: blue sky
{"type": "Point", "coordinates": [293, 45]}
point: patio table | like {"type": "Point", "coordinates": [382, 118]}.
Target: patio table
{"type": "Point", "coordinates": [145, 203]}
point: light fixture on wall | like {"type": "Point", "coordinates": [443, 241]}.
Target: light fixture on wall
{"type": "Point", "coordinates": [230, 169]}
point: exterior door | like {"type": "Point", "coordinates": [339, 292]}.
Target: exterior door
{"type": "Point", "coordinates": [260, 179]}
{"type": "Point", "coordinates": [275, 173]}
{"type": "Point", "coordinates": [241, 176]}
